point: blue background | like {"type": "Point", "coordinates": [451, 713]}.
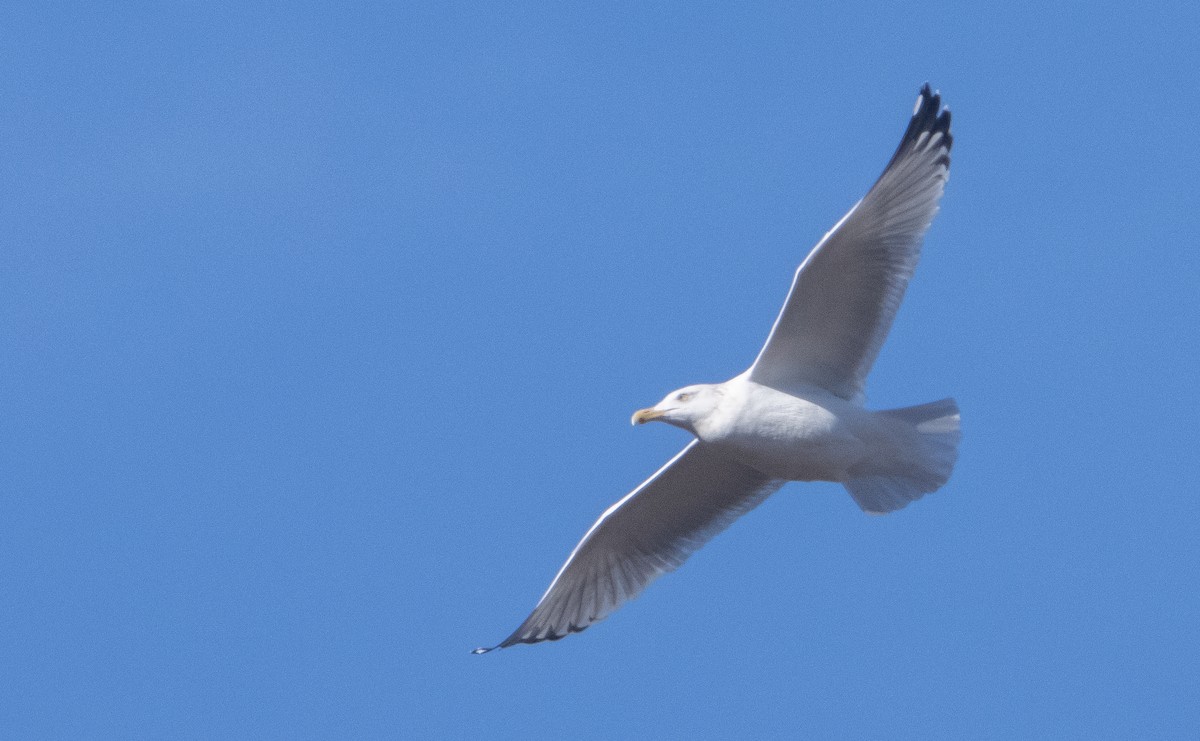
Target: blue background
{"type": "Point", "coordinates": [321, 326]}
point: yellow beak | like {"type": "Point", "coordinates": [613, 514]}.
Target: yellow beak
{"type": "Point", "coordinates": [642, 416]}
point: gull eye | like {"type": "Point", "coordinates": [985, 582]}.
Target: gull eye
{"type": "Point", "coordinates": [683, 397]}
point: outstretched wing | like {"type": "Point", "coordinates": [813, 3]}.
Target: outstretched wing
{"type": "Point", "coordinates": [648, 533]}
{"type": "Point", "coordinates": [846, 292]}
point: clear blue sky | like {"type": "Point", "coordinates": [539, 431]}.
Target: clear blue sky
{"type": "Point", "coordinates": [320, 329]}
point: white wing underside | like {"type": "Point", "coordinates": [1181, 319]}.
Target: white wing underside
{"type": "Point", "coordinates": [846, 292]}
{"type": "Point", "coordinates": [648, 533]}
{"type": "Point", "coordinates": [829, 332]}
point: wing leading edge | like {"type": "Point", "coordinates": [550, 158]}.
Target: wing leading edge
{"type": "Point", "coordinates": [651, 531]}
{"type": "Point", "coordinates": [846, 292]}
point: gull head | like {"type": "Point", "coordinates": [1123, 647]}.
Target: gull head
{"type": "Point", "coordinates": [683, 407]}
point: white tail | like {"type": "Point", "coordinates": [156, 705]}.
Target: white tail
{"type": "Point", "coordinates": [938, 426]}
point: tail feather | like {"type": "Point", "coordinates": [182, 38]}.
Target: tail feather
{"type": "Point", "coordinates": [929, 466]}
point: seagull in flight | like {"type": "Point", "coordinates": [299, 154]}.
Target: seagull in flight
{"type": "Point", "coordinates": [796, 414]}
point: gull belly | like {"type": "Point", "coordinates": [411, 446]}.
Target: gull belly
{"type": "Point", "coordinates": [807, 434]}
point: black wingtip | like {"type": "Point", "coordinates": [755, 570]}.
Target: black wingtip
{"type": "Point", "coordinates": [929, 111]}
{"type": "Point", "coordinates": [930, 117]}
{"type": "Point", "coordinates": [521, 637]}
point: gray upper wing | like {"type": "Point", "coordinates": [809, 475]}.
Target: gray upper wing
{"type": "Point", "coordinates": [846, 292]}
{"type": "Point", "coordinates": [651, 531]}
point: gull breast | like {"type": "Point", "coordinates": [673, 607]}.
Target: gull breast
{"type": "Point", "coordinates": [802, 436]}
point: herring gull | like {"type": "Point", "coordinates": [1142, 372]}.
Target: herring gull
{"type": "Point", "coordinates": [795, 415]}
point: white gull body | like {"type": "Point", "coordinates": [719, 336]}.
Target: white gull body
{"type": "Point", "coordinates": [805, 434]}
{"type": "Point", "coordinates": [795, 415]}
